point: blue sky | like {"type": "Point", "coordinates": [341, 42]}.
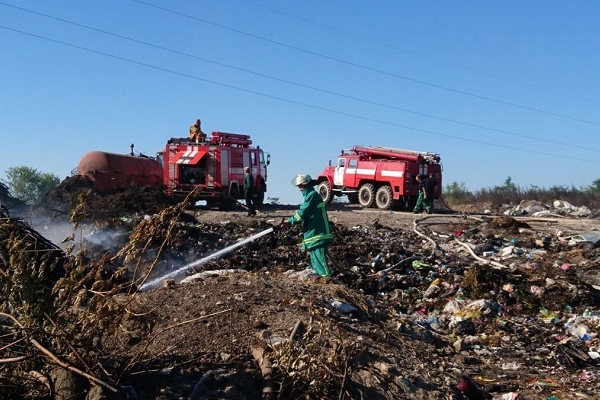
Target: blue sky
{"type": "Point", "coordinates": [497, 88]}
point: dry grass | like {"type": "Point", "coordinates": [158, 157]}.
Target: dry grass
{"type": "Point", "coordinates": [508, 193]}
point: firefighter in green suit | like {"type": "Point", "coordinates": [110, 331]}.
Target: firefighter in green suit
{"type": "Point", "coordinates": [316, 230]}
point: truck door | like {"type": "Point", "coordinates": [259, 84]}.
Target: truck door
{"type": "Point", "coordinates": [350, 175]}
{"type": "Point", "coordinates": [248, 160]}
{"type": "Point", "coordinates": [222, 175]}
{"type": "Point", "coordinates": [338, 176]}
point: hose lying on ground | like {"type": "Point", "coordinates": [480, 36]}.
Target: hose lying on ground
{"type": "Point", "coordinates": [465, 245]}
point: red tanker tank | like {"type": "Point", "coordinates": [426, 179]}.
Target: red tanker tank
{"type": "Point", "coordinates": [109, 171]}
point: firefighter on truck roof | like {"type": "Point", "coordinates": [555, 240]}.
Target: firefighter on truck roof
{"type": "Point", "coordinates": [196, 132]}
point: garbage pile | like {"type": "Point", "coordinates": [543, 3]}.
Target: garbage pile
{"type": "Point", "coordinates": [519, 308]}
{"type": "Point", "coordinates": [558, 208]}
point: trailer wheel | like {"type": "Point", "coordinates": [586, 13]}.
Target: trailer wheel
{"type": "Point", "coordinates": [366, 195]}
{"type": "Point", "coordinates": [324, 189]}
{"type": "Point", "coordinates": [383, 198]}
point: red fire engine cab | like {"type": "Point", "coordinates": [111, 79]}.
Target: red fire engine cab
{"type": "Point", "coordinates": [379, 176]}
{"type": "Point", "coordinates": [215, 167]}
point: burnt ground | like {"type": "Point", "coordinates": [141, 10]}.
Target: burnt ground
{"type": "Point", "coordinates": [443, 306]}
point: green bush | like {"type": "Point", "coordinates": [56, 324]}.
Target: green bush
{"type": "Point", "coordinates": [457, 193]}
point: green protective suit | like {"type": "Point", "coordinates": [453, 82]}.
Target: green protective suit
{"type": "Point", "coordinates": [428, 203]}
{"type": "Point", "coordinates": [420, 205]}
{"type": "Point", "coordinates": [249, 193]}
{"type": "Point", "coordinates": [421, 202]}
{"type": "Point", "coordinates": [316, 229]}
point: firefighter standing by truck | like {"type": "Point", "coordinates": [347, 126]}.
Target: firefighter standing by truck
{"type": "Point", "coordinates": [426, 196]}
{"type": "Point", "coordinates": [249, 191]}
{"type": "Point", "coordinates": [315, 225]}
{"type": "Point", "coordinates": [430, 186]}
{"type": "Point", "coordinates": [420, 206]}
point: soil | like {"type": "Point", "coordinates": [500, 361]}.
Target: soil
{"type": "Point", "coordinates": [419, 307]}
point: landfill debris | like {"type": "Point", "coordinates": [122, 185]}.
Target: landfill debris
{"type": "Point", "coordinates": [414, 319]}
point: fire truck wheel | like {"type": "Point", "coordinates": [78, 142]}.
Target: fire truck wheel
{"type": "Point", "coordinates": [366, 195]}
{"type": "Point", "coordinates": [234, 191]}
{"type": "Point", "coordinates": [324, 189]}
{"type": "Point", "coordinates": [227, 204]}
{"type": "Point", "coordinates": [383, 197]}
{"type": "Point", "coordinates": [259, 199]}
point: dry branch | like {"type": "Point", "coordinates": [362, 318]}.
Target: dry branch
{"type": "Point", "coordinates": [157, 334]}
{"type": "Point", "coordinates": [60, 363]}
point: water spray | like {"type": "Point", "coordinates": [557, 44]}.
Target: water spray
{"type": "Point", "coordinates": [189, 269]}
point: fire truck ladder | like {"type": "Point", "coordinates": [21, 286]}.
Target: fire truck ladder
{"type": "Point", "coordinates": [392, 152]}
{"type": "Point", "coordinates": [230, 139]}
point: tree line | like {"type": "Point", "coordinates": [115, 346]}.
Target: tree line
{"type": "Point", "coordinates": [28, 184]}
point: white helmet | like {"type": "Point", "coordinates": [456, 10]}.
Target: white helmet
{"type": "Point", "coordinates": [302, 179]}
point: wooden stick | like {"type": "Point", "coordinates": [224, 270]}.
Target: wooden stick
{"type": "Point", "coordinates": [297, 327]}
{"type": "Point", "coordinates": [68, 343]}
{"type": "Point", "coordinates": [66, 366]}
{"type": "Point", "coordinates": [343, 385]}
{"type": "Point", "coordinates": [12, 360]}
{"type": "Point", "coordinates": [264, 364]}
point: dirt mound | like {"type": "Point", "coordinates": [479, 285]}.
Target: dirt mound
{"type": "Point", "coordinates": [8, 202]}
{"type": "Point", "coordinates": [75, 195]}
{"type": "Point", "coordinates": [505, 222]}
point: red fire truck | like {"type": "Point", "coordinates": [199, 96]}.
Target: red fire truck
{"type": "Point", "coordinates": [214, 167]}
{"type": "Point", "coordinates": [379, 176]}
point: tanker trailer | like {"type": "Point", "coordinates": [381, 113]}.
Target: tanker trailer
{"type": "Point", "coordinates": [110, 171]}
